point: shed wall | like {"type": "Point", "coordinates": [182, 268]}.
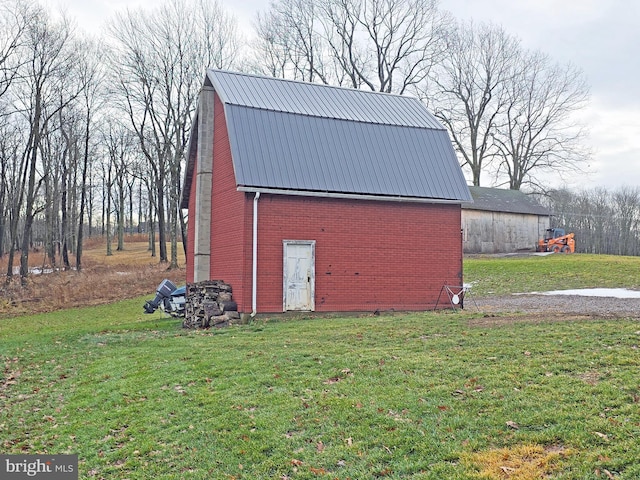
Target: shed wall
{"type": "Point", "coordinates": [228, 215]}
{"type": "Point", "coordinates": [370, 255]}
{"type": "Point", "coordinates": [499, 232]}
{"type": "Point", "coordinates": [229, 254]}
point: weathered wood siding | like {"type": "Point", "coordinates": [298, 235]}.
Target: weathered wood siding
{"type": "Point", "coordinates": [499, 232]}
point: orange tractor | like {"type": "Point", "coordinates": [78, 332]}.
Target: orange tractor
{"type": "Point", "coordinates": [555, 240]}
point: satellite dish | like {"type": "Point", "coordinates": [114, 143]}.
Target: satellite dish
{"type": "Point", "coordinates": [455, 299]}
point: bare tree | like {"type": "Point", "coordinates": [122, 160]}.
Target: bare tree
{"type": "Point", "coordinates": [273, 47]}
{"type": "Point", "coordinates": [468, 90]}
{"type": "Point", "coordinates": [121, 147]}
{"type": "Point", "coordinates": [5, 154]}
{"type": "Point", "coordinates": [387, 45]}
{"type": "Point", "coordinates": [90, 76]}
{"type": "Point", "coordinates": [604, 222]}
{"type": "Point", "coordinates": [49, 61]}
{"type": "Point", "coordinates": [626, 203]}
{"type": "Point", "coordinates": [11, 173]}
{"type": "Point", "coordinates": [382, 45]}
{"type": "Point", "coordinates": [216, 41]}
{"type": "Point", "coordinates": [290, 42]}
{"type": "Point", "coordinates": [53, 152]}
{"type": "Point", "coordinates": [69, 130]}
{"type": "Point", "coordinates": [15, 169]}
{"type": "Point", "coordinates": [107, 185]}
{"type": "Point", "coordinates": [15, 18]}
{"type": "Point", "coordinates": [159, 59]}
{"type": "Point", "coordinates": [539, 133]}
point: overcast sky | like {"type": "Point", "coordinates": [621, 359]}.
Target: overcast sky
{"type": "Point", "coordinates": [601, 37]}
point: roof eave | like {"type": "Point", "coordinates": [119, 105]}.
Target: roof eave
{"type": "Point", "coordinates": [484, 208]}
{"type": "Point", "coordinates": [348, 196]}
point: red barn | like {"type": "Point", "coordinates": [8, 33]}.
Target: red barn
{"type": "Point", "coordinates": [317, 198]}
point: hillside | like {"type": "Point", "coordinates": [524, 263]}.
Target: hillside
{"type": "Point", "coordinates": [104, 279]}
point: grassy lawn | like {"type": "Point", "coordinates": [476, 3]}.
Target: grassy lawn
{"type": "Point", "coordinates": [449, 395]}
{"type": "Point", "coordinates": [512, 274]}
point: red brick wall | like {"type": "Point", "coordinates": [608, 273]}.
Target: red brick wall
{"type": "Point", "coordinates": [370, 255]}
{"type": "Point", "coordinates": [228, 245]}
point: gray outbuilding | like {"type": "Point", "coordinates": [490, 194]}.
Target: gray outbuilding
{"type": "Point", "coordinates": [502, 221]}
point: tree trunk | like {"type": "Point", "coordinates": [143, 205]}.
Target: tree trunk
{"type": "Point", "coordinates": [121, 215]}
{"type": "Point", "coordinates": [174, 241]}
{"type": "Point", "coordinates": [162, 227]}
{"type": "Point", "coordinates": [13, 228]}
{"type": "Point", "coordinates": [83, 192]}
{"type": "Point", "coordinates": [64, 227]}
{"type": "Point", "coordinates": [50, 235]}
{"type": "Point", "coordinates": [130, 186]}
{"type": "Point", "coordinates": [107, 213]}
{"type": "Point", "coordinates": [152, 230]}
{"type": "Point", "coordinates": [3, 206]}
{"type": "Point", "coordinates": [90, 200]}
{"type": "Point", "coordinates": [140, 207]}
{"type": "Point", "coordinates": [31, 192]}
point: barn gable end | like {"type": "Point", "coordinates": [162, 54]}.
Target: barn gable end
{"type": "Point", "coordinates": [315, 206]}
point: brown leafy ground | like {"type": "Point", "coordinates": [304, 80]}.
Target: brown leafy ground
{"type": "Point", "coordinates": [126, 274]}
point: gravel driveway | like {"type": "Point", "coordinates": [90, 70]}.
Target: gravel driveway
{"type": "Point", "coordinates": [564, 305]}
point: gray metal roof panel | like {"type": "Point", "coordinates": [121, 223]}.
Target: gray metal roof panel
{"type": "Point", "coordinates": [298, 152]}
{"type": "Point", "coordinates": [503, 200]}
{"type": "Point", "coordinates": [320, 100]}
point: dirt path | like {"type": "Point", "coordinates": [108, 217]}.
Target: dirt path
{"type": "Point", "coordinates": [560, 305]}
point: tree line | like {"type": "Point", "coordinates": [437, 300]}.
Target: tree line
{"type": "Point", "coordinates": [604, 221]}
{"type": "Point", "coordinates": [93, 129]}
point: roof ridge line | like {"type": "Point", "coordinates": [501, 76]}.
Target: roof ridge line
{"type": "Point", "coordinates": [304, 82]}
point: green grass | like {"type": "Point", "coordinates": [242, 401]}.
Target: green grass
{"type": "Point", "coordinates": [424, 396]}
{"type": "Point", "coordinates": [491, 275]}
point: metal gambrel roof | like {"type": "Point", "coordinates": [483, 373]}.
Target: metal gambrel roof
{"type": "Point", "coordinates": [503, 200]}
{"type": "Point", "coordinates": [317, 100]}
{"type": "Point", "coordinates": [305, 137]}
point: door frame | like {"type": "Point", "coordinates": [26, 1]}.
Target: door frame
{"type": "Point", "coordinates": [312, 281]}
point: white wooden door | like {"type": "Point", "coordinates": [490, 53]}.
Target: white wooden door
{"type": "Point", "coordinates": [299, 275]}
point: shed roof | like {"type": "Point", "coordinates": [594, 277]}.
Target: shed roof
{"type": "Point", "coordinates": [317, 100]}
{"type": "Point", "coordinates": [503, 200]}
{"type": "Point", "coordinates": [302, 137]}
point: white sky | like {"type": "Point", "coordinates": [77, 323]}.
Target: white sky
{"type": "Point", "coordinates": [598, 36]}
